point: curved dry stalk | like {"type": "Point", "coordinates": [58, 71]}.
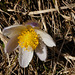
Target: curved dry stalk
{"type": "Point", "coordinates": [42, 11]}
{"type": "Point", "coordinates": [42, 17]}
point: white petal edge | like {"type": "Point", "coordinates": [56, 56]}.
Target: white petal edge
{"type": "Point", "coordinates": [42, 52]}
{"type": "Point", "coordinates": [13, 30]}
{"type": "Point", "coordinates": [25, 57]}
{"type": "Point", "coordinates": [11, 44]}
{"type": "Point", "coordinates": [46, 38]}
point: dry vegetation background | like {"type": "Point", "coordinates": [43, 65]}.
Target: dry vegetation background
{"type": "Point", "coordinates": [56, 17]}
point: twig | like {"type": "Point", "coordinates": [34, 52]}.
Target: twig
{"type": "Point", "coordinates": [68, 6]}
{"type": "Point", "coordinates": [43, 11]}
{"type": "Point", "coordinates": [64, 16]}
{"type": "Point", "coordinates": [42, 17]}
{"type": "Point", "coordinates": [8, 15]}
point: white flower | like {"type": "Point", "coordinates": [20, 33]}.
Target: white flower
{"type": "Point", "coordinates": [28, 38]}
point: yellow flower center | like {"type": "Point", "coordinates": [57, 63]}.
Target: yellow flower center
{"type": "Point", "coordinates": [28, 38]}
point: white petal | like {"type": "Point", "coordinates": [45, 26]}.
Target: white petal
{"type": "Point", "coordinates": [46, 38]}
{"type": "Point", "coordinates": [42, 52]}
{"type": "Point", "coordinates": [25, 57]}
{"type": "Point", "coordinates": [11, 45]}
{"type": "Point", "coordinates": [13, 30]}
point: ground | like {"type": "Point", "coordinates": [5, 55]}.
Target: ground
{"type": "Point", "coordinates": [57, 18]}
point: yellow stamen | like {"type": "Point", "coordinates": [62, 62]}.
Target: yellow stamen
{"type": "Point", "coordinates": [28, 38]}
